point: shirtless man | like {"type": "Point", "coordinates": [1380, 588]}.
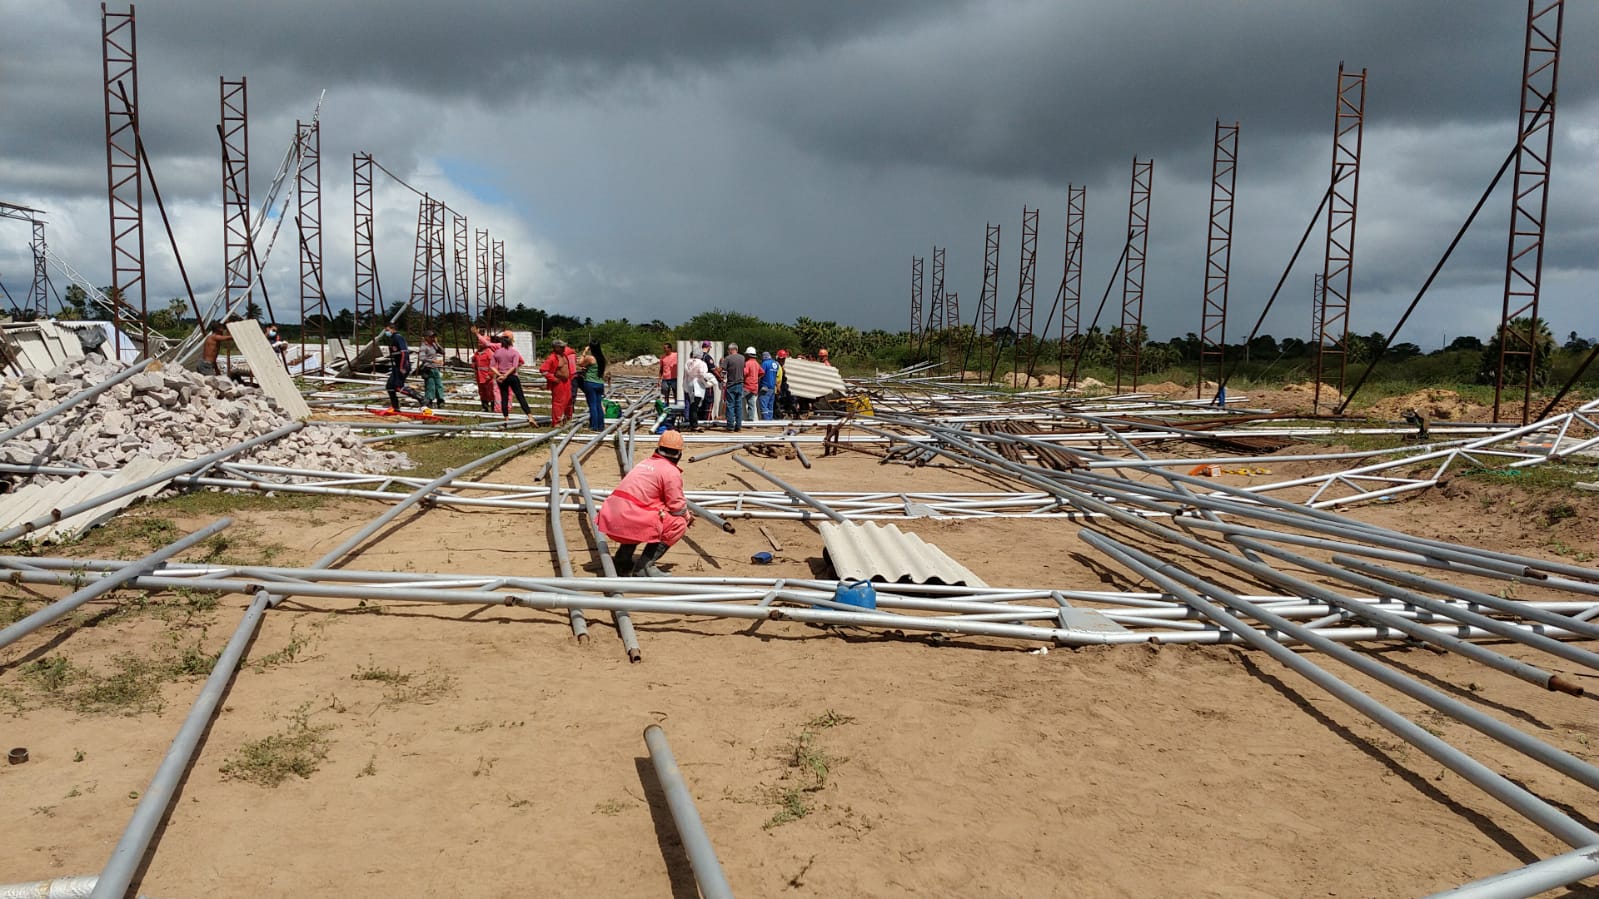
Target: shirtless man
{"type": "Point", "coordinates": [212, 348]}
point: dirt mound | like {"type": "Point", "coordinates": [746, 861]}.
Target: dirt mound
{"type": "Point", "coordinates": [1436, 404]}
{"type": "Point", "coordinates": [1164, 388]}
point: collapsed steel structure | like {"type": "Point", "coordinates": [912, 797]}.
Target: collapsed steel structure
{"type": "Point", "coordinates": [1087, 459]}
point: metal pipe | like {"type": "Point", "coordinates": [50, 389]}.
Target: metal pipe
{"type": "Point", "coordinates": [162, 477]}
{"type": "Point", "coordinates": [1536, 749]}
{"type": "Point", "coordinates": [1496, 785]}
{"type": "Point", "coordinates": [78, 887]}
{"type": "Point", "coordinates": [105, 584]}
{"type": "Point", "coordinates": [1533, 880]}
{"type": "Point", "coordinates": [624, 623]}
{"type": "Point", "coordinates": [793, 491]}
{"type": "Point", "coordinates": [563, 558]}
{"type": "Point", "coordinates": [690, 829]}
{"type": "Point", "coordinates": [88, 394]}
{"type": "Point", "coordinates": [420, 494]}
{"type": "Point", "coordinates": [153, 803]}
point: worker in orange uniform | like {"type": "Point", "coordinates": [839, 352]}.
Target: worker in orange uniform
{"type": "Point", "coordinates": [557, 370]}
{"type": "Point", "coordinates": [648, 507]}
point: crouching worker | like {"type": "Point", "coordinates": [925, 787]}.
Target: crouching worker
{"type": "Point", "coordinates": [648, 507]}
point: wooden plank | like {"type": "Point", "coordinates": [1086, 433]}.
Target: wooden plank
{"type": "Point", "coordinates": [268, 368]}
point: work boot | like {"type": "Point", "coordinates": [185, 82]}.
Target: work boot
{"type": "Point", "coordinates": [647, 559]}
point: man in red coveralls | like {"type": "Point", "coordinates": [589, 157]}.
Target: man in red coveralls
{"type": "Point", "coordinates": [648, 507]}
{"type": "Point", "coordinates": [557, 369]}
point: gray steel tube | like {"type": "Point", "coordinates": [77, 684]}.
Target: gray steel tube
{"type": "Point", "coordinates": [420, 494]}
{"type": "Point", "coordinates": [1534, 879]}
{"type": "Point", "coordinates": [690, 829]}
{"type": "Point", "coordinates": [105, 584]}
{"type": "Point", "coordinates": [563, 558]}
{"type": "Point", "coordinates": [153, 803]}
{"type": "Point", "coordinates": [1496, 785]}
{"type": "Point", "coordinates": [162, 477]}
{"type": "Point", "coordinates": [793, 491]}
{"type": "Point", "coordinates": [620, 617]}
{"type": "Point", "coordinates": [78, 887]}
{"type": "Point", "coordinates": [73, 400]}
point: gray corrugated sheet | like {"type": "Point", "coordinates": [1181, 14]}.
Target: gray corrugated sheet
{"type": "Point", "coordinates": [812, 380]}
{"type": "Point", "coordinates": [37, 500]}
{"type": "Point", "coordinates": [865, 551]}
{"type": "Point", "coordinates": [268, 368]}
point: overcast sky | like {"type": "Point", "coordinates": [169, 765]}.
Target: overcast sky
{"type": "Point", "coordinates": [646, 159]}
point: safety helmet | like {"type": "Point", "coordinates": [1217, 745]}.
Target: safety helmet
{"type": "Point", "coordinates": [672, 440]}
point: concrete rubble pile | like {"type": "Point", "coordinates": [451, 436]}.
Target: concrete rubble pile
{"type": "Point", "coordinates": [166, 414]}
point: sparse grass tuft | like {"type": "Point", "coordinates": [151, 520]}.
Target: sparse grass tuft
{"type": "Point", "coordinates": [610, 807]}
{"type": "Point", "coordinates": [810, 766]}
{"type": "Point", "coordinates": [370, 769]}
{"type": "Point", "coordinates": [296, 751]}
{"type": "Point", "coordinates": [217, 502]}
{"type": "Point", "coordinates": [791, 806]}
{"type": "Point", "coordinates": [404, 686]}
{"type": "Point", "coordinates": [290, 651]}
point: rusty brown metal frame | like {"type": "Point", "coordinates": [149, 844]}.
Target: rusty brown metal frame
{"type": "Point", "coordinates": [480, 248]}
{"type": "Point", "coordinates": [368, 295]}
{"type": "Point", "coordinates": [39, 293]}
{"type": "Point", "coordinates": [124, 174]}
{"type": "Point", "coordinates": [1218, 256]}
{"type": "Point", "coordinates": [988, 300]}
{"type": "Point", "coordinates": [916, 299]}
{"type": "Point", "coordinates": [1529, 207]}
{"type": "Point", "coordinates": [238, 276]}
{"type": "Point", "coordinates": [463, 280]}
{"type": "Point", "coordinates": [935, 310]}
{"type": "Point", "coordinates": [1027, 274]}
{"type": "Point", "coordinates": [497, 294]}
{"type": "Point", "coordinates": [1338, 267]}
{"type": "Point", "coordinates": [1071, 281]}
{"type": "Point", "coordinates": [308, 195]}
{"type": "Point", "coordinates": [1317, 294]}
{"type": "Point", "coordinates": [1130, 352]}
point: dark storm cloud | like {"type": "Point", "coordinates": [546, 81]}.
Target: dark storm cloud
{"type": "Point", "coordinates": [652, 160]}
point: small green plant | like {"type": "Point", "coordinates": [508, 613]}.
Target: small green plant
{"type": "Point", "coordinates": [610, 807]}
{"type": "Point", "coordinates": [517, 803]}
{"type": "Point", "coordinates": [290, 651]}
{"type": "Point", "coordinates": [79, 755]}
{"type": "Point", "coordinates": [49, 811]}
{"type": "Point", "coordinates": [485, 767]}
{"type": "Point", "coordinates": [791, 806]}
{"type": "Point", "coordinates": [74, 793]}
{"type": "Point", "coordinates": [1558, 512]}
{"type": "Point", "coordinates": [51, 674]}
{"type": "Point", "coordinates": [403, 686]}
{"type": "Point", "coordinates": [12, 611]}
{"type": "Point", "coordinates": [370, 768]}
{"type": "Point", "coordinates": [810, 764]}
{"type": "Point", "coordinates": [296, 751]}
{"type": "Point", "coordinates": [391, 676]}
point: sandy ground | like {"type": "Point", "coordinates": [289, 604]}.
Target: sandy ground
{"type": "Point", "coordinates": [512, 762]}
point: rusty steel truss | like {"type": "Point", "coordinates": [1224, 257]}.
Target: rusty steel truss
{"type": "Point", "coordinates": [935, 308]}
{"type": "Point", "coordinates": [1338, 267]}
{"type": "Point", "coordinates": [1129, 349]}
{"type": "Point", "coordinates": [916, 299]}
{"type": "Point", "coordinates": [124, 174]}
{"type": "Point", "coordinates": [497, 293]}
{"type": "Point", "coordinates": [315, 314]}
{"type": "Point", "coordinates": [1529, 206]}
{"type": "Point", "coordinates": [480, 299]}
{"type": "Point", "coordinates": [1072, 279]}
{"type": "Point", "coordinates": [462, 305]}
{"type": "Point", "coordinates": [368, 294]}
{"type": "Point", "coordinates": [1027, 274]}
{"type": "Point", "coordinates": [238, 263]}
{"type": "Point", "coordinates": [988, 298]}
{"type": "Point", "coordinates": [1218, 256]}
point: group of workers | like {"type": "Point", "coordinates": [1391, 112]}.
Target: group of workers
{"type": "Point", "coordinates": [753, 387]}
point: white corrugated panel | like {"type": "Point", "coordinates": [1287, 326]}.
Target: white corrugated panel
{"type": "Point", "coordinates": [866, 551]}
{"type": "Point", "coordinates": [812, 380]}
{"type": "Point", "coordinates": [38, 500]}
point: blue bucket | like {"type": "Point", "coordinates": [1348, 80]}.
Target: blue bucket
{"type": "Point", "coordinates": [860, 594]}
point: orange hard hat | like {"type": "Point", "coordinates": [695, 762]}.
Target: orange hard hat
{"type": "Point", "coordinates": [671, 440]}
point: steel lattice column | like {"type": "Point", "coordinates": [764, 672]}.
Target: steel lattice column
{"type": "Point", "coordinates": [1130, 350]}
{"type": "Point", "coordinates": [1338, 269]}
{"type": "Point", "coordinates": [462, 308]}
{"type": "Point", "coordinates": [1529, 207]}
{"type": "Point", "coordinates": [1027, 276]}
{"type": "Point", "coordinates": [480, 247]}
{"type": "Point", "coordinates": [124, 175]}
{"type": "Point", "coordinates": [237, 260]}
{"type": "Point", "coordinates": [497, 294]}
{"type": "Point", "coordinates": [916, 299]}
{"type": "Point", "coordinates": [1218, 256]}
{"type": "Point", "coordinates": [367, 300]}
{"type": "Point", "coordinates": [988, 298]}
{"type": "Point", "coordinates": [1317, 294]}
{"type": "Point", "coordinates": [952, 310]}
{"type": "Point", "coordinates": [39, 293]}
{"type": "Point", "coordinates": [1076, 210]}
{"type": "Point", "coordinates": [935, 314]}
{"type": "Point", "coordinates": [314, 311]}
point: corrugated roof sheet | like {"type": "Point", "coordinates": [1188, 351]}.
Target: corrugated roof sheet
{"type": "Point", "coordinates": [812, 380]}
{"type": "Point", "coordinates": [866, 551]}
{"type": "Point", "coordinates": [37, 500]}
{"type": "Point", "coordinates": [268, 368]}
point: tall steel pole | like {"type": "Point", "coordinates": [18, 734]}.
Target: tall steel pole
{"type": "Point", "coordinates": [124, 175]}
{"type": "Point", "coordinates": [1338, 267]}
{"type": "Point", "coordinates": [1129, 353]}
{"type": "Point", "coordinates": [1218, 255]}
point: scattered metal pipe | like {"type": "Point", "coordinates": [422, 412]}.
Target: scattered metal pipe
{"type": "Point", "coordinates": [793, 491]}
{"type": "Point", "coordinates": [79, 887]}
{"type": "Point", "coordinates": [1494, 784]}
{"type": "Point", "coordinates": [421, 493]}
{"type": "Point", "coordinates": [1533, 880]}
{"type": "Point", "coordinates": [105, 584]}
{"type": "Point", "coordinates": [690, 829]}
{"type": "Point", "coordinates": [620, 617]}
{"type": "Point", "coordinates": [147, 816]}
{"type": "Point", "coordinates": [563, 558]}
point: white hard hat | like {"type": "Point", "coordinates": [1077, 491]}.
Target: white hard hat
{"type": "Point", "coordinates": [749, 351]}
